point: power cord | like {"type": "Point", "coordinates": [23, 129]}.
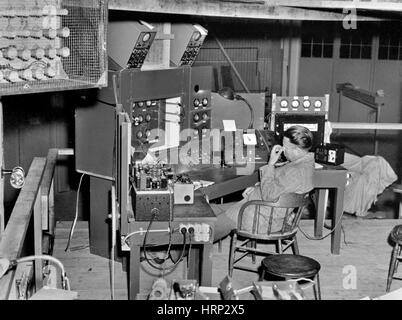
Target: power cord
{"type": "Point", "coordinates": [323, 237]}
{"type": "Point", "coordinates": [76, 214]}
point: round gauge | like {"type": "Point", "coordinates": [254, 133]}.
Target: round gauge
{"type": "Point", "coordinates": [317, 104]}
{"type": "Point", "coordinates": [140, 104]}
{"type": "Point", "coordinates": [196, 117]}
{"type": "Point", "coordinates": [284, 103]}
{"type": "Point", "coordinates": [148, 118]}
{"type": "Point", "coordinates": [146, 37]}
{"type": "Point", "coordinates": [148, 103]}
{"type": "Point", "coordinates": [295, 103]}
{"type": "Point", "coordinates": [204, 101]}
{"type": "Point", "coordinates": [306, 104]}
{"type": "Point", "coordinates": [196, 36]}
{"type": "Point", "coordinates": [139, 134]}
{"type": "Point", "coordinates": [196, 103]}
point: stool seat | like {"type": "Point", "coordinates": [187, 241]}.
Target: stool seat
{"type": "Point", "coordinates": [291, 266]}
{"type": "Point", "coordinates": [396, 234]}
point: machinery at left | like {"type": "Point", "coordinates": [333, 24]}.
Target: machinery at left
{"type": "Point", "coordinates": [117, 126]}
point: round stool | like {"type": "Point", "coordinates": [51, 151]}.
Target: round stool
{"type": "Point", "coordinates": [396, 237]}
{"type": "Point", "coordinates": [292, 266]}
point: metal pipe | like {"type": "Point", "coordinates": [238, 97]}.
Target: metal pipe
{"type": "Point", "coordinates": [236, 72]}
{"type": "Point", "coordinates": [366, 126]}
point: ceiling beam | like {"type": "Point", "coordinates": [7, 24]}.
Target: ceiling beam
{"type": "Point", "coordinates": [252, 9]}
{"type": "Point", "coordinates": [373, 5]}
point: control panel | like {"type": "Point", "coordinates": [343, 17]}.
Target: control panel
{"type": "Point", "coordinates": [187, 42]}
{"type": "Point", "coordinates": [141, 49]}
{"type": "Point", "coordinates": [146, 119]}
{"type": "Point", "coordinates": [298, 104]}
{"type": "Point", "coordinates": [200, 110]}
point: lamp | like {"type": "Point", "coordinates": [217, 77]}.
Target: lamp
{"type": "Point", "coordinates": [229, 94]}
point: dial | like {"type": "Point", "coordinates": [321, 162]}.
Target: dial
{"type": "Point", "coordinates": [204, 101]}
{"type": "Point", "coordinates": [317, 104]}
{"type": "Point", "coordinates": [148, 118]}
{"type": "Point", "coordinates": [146, 37]}
{"type": "Point", "coordinates": [284, 103]}
{"type": "Point", "coordinates": [204, 116]}
{"type": "Point", "coordinates": [196, 117]}
{"type": "Point", "coordinates": [139, 134]}
{"type": "Point", "coordinates": [306, 104]}
{"type": "Point", "coordinates": [196, 36]}
{"type": "Point", "coordinates": [148, 103]}
{"type": "Point", "coordinates": [196, 103]}
{"type": "Point", "coordinates": [147, 132]}
{"type": "Point", "coordinates": [295, 103]}
{"type": "Point", "coordinates": [140, 118]}
{"type": "Point", "coordinates": [140, 104]}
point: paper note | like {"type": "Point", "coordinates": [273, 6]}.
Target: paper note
{"type": "Point", "coordinates": [229, 125]}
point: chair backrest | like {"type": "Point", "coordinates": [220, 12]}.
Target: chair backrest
{"type": "Point", "coordinates": [285, 212]}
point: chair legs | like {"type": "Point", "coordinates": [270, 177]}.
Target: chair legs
{"type": "Point", "coordinates": [232, 251]}
{"type": "Point", "coordinates": [393, 265]}
{"type": "Point", "coordinates": [317, 289]}
{"type": "Point", "coordinates": [295, 247]}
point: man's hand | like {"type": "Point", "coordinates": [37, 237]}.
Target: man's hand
{"type": "Point", "coordinates": [275, 154]}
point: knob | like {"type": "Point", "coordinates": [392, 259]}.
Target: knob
{"type": "Point", "coordinates": [25, 74]}
{"type": "Point", "coordinates": [50, 53]}
{"type": "Point", "coordinates": [147, 133]}
{"type": "Point", "coordinates": [10, 53]}
{"type": "Point", "coordinates": [148, 103]}
{"type": "Point", "coordinates": [50, 33]}
{"type": "Point", "coordinates": [204, 102]}
{"type": "Point", "coordinates": [38, 73]}
{"type": "Point", "coordinates": [140, 118]}
{"type": "Point", "coordinates": [196, 103]}
{"type": "Point", "coordinates": [63, 52]}
{"type": "Point", "coordinates": [12, 76]}
{"type": "Point", "coordinates": [148, 118]}
{"type": "Point", "coordinates": [204, 116]}
{"type": "Point", "coordinates": [139, 134]}
{"type": "Point", "coordinates": [38, 53]}
{"type": "Point", "coordinates": [63, 33]}
{"type": "Point", "coordinates": [50, 73]}
{"type": "Point", "coordinates": [24, 54]}
{"type": "Point", "coordinates": [140, 104]}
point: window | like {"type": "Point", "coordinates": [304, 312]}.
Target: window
{"type": "Point", "coordinates": [317, 47]}
{"type": "Point", "coordinates": [390, 48]}
{"type": "Point", "coordinates": [355, 46]}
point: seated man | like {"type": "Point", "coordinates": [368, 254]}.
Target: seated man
{"type": "Point", "coordinates": [294, 176]}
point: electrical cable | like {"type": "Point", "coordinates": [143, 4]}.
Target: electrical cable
{"type": "Point", "coordinates": [76, 214]}
{"type": "Point", "coordinates": [65, 281]}
{"type": "Point", "coordinates": [323, 237]}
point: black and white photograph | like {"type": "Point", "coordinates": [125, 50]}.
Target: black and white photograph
{"type": "Point", "coordinates": [219, 152]}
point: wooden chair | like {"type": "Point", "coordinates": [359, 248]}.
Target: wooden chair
{"type": "Point", "coordinates": [290, 205]}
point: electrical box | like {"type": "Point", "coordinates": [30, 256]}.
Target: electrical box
{"type": "Point", "coordinates": [154, 205]}
{"type": "Point", "coordinates": [52, 45]}
{"type": "Point", "coordinates": [187, 42]}
{"type": "Point", "coordinates": [330, 153]}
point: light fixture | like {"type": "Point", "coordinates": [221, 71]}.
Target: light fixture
{"type": "Point", "coordinates": [229, 94]}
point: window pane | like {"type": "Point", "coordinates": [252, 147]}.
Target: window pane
{"type": "Point", "coordinates": [317, 50]}
{"type": "Point", "coordinates": [355, 52]}
{"type": "Point", "coordinates": [306, 50]}
{"type": "Point", "coordinates": [344, 51]}
{"type": "Point", "coordinates": [328, 49]}
{"type": "Point", "coordinates": [393, 53]}
{"type": "Point", "coordinates": [383, 53]}
{"type": "Point", "coordinates": [384, 41]}
{"type": "Point", "coordinates": [366, 52]}
{"type": "Point", "coordinates": [394, 41]}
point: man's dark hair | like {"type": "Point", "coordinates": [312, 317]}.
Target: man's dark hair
{"type": "Point", "coordinates": [300, 136]}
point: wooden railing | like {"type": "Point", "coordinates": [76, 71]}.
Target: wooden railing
{"type": "Point", "coordinates": [32, 216]}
